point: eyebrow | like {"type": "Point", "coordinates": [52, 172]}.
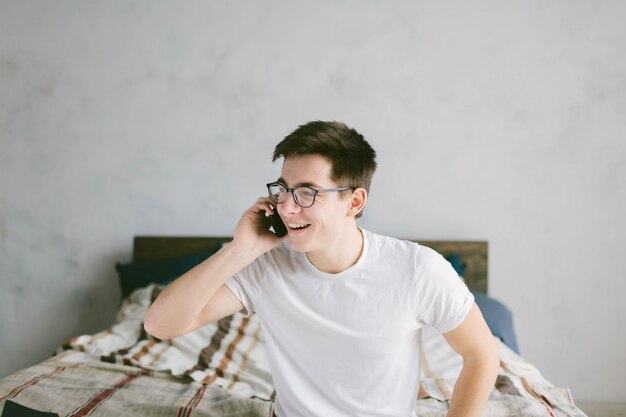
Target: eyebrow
{"type": "Point", "coordinates": [302, 184]}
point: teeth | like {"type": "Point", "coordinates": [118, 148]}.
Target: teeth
{"type": "Point", "coordinates": [297, 226]}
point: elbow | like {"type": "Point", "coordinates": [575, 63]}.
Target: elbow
{"type": "Point", "coordinates": [161, 329]}
{"type": "Point", "coordinates": [151, 326]}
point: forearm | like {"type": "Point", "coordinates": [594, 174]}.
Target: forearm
{"type": "Point", "coordinates": [182, 300]}
{"type": "Point", "coordinates": [475, 383]}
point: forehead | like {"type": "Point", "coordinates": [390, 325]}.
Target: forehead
{"type": "Point", "coordinates": [314, 170]}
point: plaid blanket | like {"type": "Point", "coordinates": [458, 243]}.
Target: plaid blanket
{"type": "Point", "coordinates": [102, 389]}
{"type": "Point", "coordinates": [221, 370]}
{"type": "Point", "coordinates": [234, 357]}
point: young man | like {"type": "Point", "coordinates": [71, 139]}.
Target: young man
{"type": "Point", "coordinates": [341, 308]}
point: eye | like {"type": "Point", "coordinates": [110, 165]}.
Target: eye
{"type": "Point", "coordinates": [307, 192]}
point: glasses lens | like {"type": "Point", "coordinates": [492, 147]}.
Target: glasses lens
{"type": "Point", "coordinates": [305, 196]}
{"type": "Point", "coordinates": [277, 192]}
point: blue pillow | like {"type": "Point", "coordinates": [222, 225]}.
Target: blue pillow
{"type": "Point", "coordinates": [139, 274]}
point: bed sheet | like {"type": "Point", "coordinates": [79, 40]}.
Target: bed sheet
{"type": "Point", "coordinates": [221, 370]}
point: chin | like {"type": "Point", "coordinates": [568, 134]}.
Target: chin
{"type": "Point", "coordinates": [298, 246]}
{"type": "Point", "coordinates": [303, 243]}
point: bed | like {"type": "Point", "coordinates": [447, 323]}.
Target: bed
{"type": "Point", "coordinates": [221, 369]}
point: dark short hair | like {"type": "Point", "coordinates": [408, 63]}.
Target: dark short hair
{"type": "Point", "coordinates": [353, 159]}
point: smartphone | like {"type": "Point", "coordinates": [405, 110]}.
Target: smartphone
{"type": "Point", "coordinates": [279, 227]}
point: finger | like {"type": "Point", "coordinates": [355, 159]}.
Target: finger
{"type": "Point", "coordinates": [263, 200]}
{"type": "Point", "coordinates": [264, 204]}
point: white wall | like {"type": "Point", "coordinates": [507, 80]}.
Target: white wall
{"type": "Point", "coordinates": [493, 120]}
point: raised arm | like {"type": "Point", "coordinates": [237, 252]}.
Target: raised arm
{"type": "Point", "coordinates": [199, 296]}
{"type": "Point", "coordinates": [472, 339]}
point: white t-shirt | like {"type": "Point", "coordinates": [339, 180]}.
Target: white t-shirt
{"type": "Point", "coordinates": [347, 344]}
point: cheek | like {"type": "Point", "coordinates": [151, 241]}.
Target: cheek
{"type": "Point", "coordinates": [326, 216]}
{"type": "Point", "coordinates": [332, 219]}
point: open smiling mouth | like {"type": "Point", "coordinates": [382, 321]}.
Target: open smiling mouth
{"type": "Point", "coordinates": [296, 226]}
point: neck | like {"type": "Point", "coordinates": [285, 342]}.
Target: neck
{"type": "Point", "coordinates": [341, 254]}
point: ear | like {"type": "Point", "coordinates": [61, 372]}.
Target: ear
{"type": "Point", "coordinates": [357, 202]}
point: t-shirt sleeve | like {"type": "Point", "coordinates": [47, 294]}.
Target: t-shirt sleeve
{"type": "Point", "coordinates": [236, 288]}
{"type": "Point", "coordinates": [443, 298]}
{"type": "Point", "coordinates": [245, 284]}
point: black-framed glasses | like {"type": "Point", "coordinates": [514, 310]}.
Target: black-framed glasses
{"type": "Point", "coordinates": [304, 196]}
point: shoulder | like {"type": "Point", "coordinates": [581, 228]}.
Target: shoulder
{"type": "Point", "coordinates": [423, 254]}
{"type": "Point", "coordinates": [271, 263]}
{"type": "Point", "coordinates": [403, 249]}
{"type": "Point", "coordinates": [396, 255]}
{"type": "Point", "coordinates": [280, 255]}
{"type": "Point", "coordinates": [390, 244]}
{"type": "Point", "coordinates": [429, 257]}
{"type": "Point", "coordinates": [423, 258]}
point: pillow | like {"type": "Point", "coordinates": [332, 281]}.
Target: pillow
{"type": "Point", "coordinates": [139, 274]}
{"type": "Point", "coordinates": [455, 261]}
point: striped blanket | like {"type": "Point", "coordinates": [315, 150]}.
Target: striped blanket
{"type": "Point", "coordinates": [221, 370]}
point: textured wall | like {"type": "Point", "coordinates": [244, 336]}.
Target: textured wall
{"type": "Point", "coordinates": [493, 120]}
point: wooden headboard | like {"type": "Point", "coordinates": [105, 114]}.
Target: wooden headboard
{"type": "Point", "coordinates": [473, 254]}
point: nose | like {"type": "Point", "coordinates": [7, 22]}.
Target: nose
{"type": "Point", "coordinates": [289, 206]}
